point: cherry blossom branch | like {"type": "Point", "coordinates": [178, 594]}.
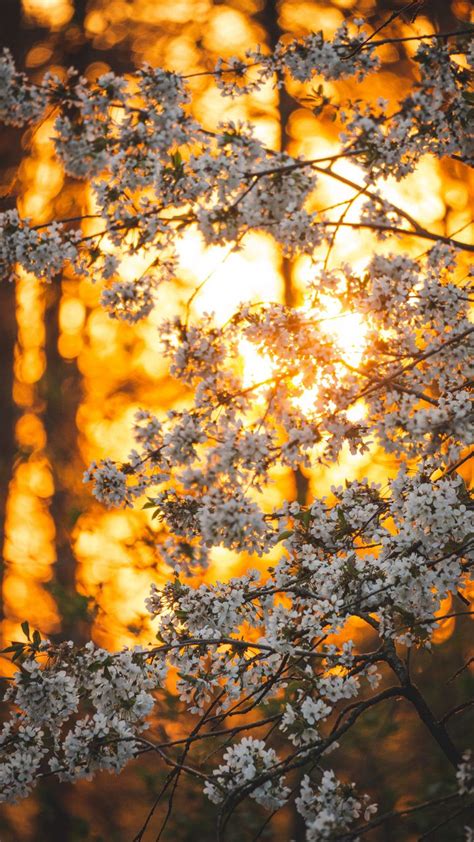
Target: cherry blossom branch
{"type": "Point", "coordinates": [394, 229]}
{"type": "Point", "coordinates": [413, 4]}
{"type": "Point", "coordinates": [399, 814]}
{"type": "Point", "coordinates": [407, 38]}
{"type": "Point", "coordinates": [456, 710]}
{"type": "Point", "coordinates": [299, 759]}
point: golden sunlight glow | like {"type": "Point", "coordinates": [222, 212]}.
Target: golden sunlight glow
{"type": "Point", "coordinates": [445, 627]}
{"type": "Point", "coordinates": [71, 315]}
{"type": "Point", "coordinates": [121, 367]}
{"type": "Point", "coordinates": [257, 367]}
{"type": "Point", "coordinates": [230, 277]}
{"type": "Point", "coordinates": [347, 329]}
{"type": "Point", "coordinates": [52, 14]}
{"type": "Point", "coordinates": [38, 55]}
{"type": "Point", "coordinates": [30, 431]}
{"type": "Point", "coordinates": [29, 549]}
{"type": "Point", "coordinates": [357, 412]}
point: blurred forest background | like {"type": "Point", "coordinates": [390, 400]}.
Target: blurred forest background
{"type": "Point", "coordinates": [71, 380]}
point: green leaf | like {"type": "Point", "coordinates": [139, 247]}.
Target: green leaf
{"type": "Point", "coordinates": [25, 627]}
{"type": "Point", "coordinates": [14, 647]}
{"type": "Point", "coordinates": [285, 534]}
{"type": "Point", "coordinates": [191, 679]}
{"type": "Point", "coordinates": [186, 549]}
{"type": "Point", "coordinates": [341, 518]}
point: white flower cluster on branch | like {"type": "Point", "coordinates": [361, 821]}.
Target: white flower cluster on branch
{"type": "Point", "coordinates": [243, 762]}
{"type": "Point", "coordinates": [205, 462]}
{"type": "Point", "coordinates": [81, 711]}
{"type": "Point", "coordinates": [155, 170]}
{"type": "Point", "coordinates": [332, 809]}
{"type": "Point", "coordinates": [274, 643]}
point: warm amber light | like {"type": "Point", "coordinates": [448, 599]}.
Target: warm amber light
{"type": "Point", "coordinates": [38, 55]}
{"type": "Point", "coordinates": [257, 366]}
{"type": "Point", "coordinates": [48, 13]}
{"type": "Point", "coordinates": [30, 431]}
{"type": "Point", "coordinates": [72, 315]}
{"type": "Point", "coordinates": [445, 628]}
{"type": "Point", "coordinates": [122, 367]}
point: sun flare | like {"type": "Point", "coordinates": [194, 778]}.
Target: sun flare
{"type": "Point", "coordinates": [346, 329]}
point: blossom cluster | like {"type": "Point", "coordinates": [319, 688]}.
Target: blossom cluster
{"type": "Point", "coordinates": [465, 774]}
{"type": "Point", "coordinates": [332, 809]}
{"type": "Point", "coordinates": [156, 170]}
{"type": "Point", "coordinates": [201, 466]}
{"type": "Point", "coordinates": [75, 712]}
{"type": "Point", "coordinates": [276, 641]}
{"type": "Point", "coordinates": [243, 762]}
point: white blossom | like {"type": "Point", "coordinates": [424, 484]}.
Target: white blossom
{"type": "Point", "coordinates": [465, 774]}
{"type": "Point", "coordinates": [245, 761]}
{"type": "Point", "coordinates": [332, 808]}
{"type": "Point", "coordinates": [279, 639]}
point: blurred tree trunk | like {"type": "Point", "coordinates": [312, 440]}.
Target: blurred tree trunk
{"type": "Point", "coordinates": [10, 154]}
{"type": "Point", "coordinates": [8, 411]}
{"type": "Point", "coordinates": [269, 19]}
{"type": "Point", "coordinates": [61, 389]}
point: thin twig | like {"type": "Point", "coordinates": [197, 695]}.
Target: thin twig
{"type": "Point", "coordinates": [396, 14]}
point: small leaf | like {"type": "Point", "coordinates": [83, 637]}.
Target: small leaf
{"type": "Point", "coordinates": [25, 627]}
{"type": "Point", "coordinates": [15, 647]}
{"type": "Point", "coordinates": [341, 518]}
{"type": "Point", "coordinates": [285, 534]}
{"type": "Point", "coordinates": [191, 679]}
{"type": "Point", "coordinates": [186, 549]}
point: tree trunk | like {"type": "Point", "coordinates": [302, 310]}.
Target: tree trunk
{"type": "Point", "coordinates": [8, 412]}
{"type": "Point", "coordinates": [269, 18]}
